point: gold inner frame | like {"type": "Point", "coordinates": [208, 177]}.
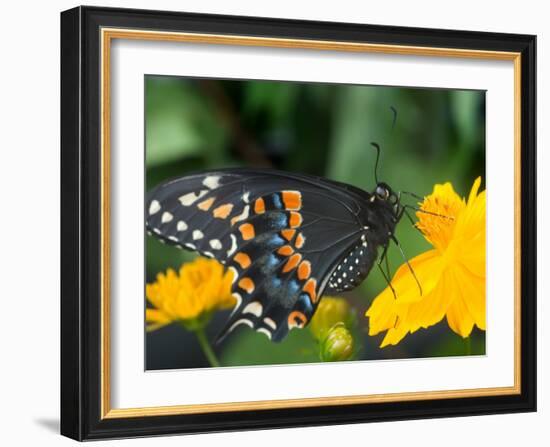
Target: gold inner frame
{"type": "Point", "coordinates": [107, 35]}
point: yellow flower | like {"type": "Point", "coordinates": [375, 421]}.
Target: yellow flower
{"type": "Point", "coordinates": [452, 274]}
{"type": "Point", "coordinates": [190, 296]}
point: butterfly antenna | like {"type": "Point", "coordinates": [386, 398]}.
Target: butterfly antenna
{"type": "Point", "coordinates": [394, 239]}
{"type": "Point", "coordinates": [377, 147]}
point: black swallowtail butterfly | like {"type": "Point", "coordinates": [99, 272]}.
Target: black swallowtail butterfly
{"type": "Point", "coordinates": [288, 238]}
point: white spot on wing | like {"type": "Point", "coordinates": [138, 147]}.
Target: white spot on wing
{"type": "Point", "coordinates": [269, 322]}
{"type": "Point", "coordinates": [239, 300]}
{"type": "Point", "coordinates": [182, 226]}
{"type": "Point", "coordinates": [173, 238]}
{"type": "Point", "coordinates": [235, 273]}
{"type": "Point", "coordinates": [233, 245]}
{"type": "Point", "coordinates": [191, 197]}
{"type": "Point", "coordinates": [246, 197]}
{"type": "Point", "coordinates": [216, 244]}
{"type": "Point", "coordinates": [254, 308]}
{"type": "Point", "coordinates": [244, 214]}
{"type": "Point", "coordinates": [208, 254]}
{"type": "Point", "coordinates": [238, 322]}
{"type": "Point", "coordinates": [166, 217]}
{"type": "Point", "coordinates": [264, 331]}
{"type": "Point", "coordinates": [190, 246]}
{"type": "Point", "coordinates": [212, 181]}
{"type": "Point", "coordinates": [197, 234]}
{"type": "Point", "coordinates": [154, 207]}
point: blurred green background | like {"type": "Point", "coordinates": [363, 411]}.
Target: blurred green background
{"type": "Point", "coordinates": [322, 129]}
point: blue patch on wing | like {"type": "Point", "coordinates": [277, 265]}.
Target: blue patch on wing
{"type": "Point", "coordinates": [277, 201]}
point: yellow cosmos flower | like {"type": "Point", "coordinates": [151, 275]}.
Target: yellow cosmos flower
{"type": "Point", "coordinates": [452, 274]}
{"type": "Point", "coordinates": [189, 296]}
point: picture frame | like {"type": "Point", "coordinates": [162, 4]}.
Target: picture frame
{"type": "Point", "coordinates": [87, 132]}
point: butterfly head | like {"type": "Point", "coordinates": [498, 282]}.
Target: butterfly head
{"type": "Point", "coordinates": [387, 202]}
{"type": "Point", "coordinates": [384, 193]}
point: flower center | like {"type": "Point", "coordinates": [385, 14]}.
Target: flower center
{"type": "Point", "coordinates": [442, 209]}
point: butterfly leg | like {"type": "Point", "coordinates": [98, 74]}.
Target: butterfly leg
{"type": "Point", "coordinates": [394, 239]}
{"type": "Point", "coordinates": [385, 274]}
{"type": "Point", "coordinates": [411, 220]}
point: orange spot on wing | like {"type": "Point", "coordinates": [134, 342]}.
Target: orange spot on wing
{"type": "Point", "coordinates": [292, 262]}
{"type": "Point", "coordinates": [242, 259]}
{"type": "Point", "coordinates": [247, 231]}
{"type": "Point", "coordinates": [304, 270]}
{"type": "Point", "coordinates": [288, 234]}
{"type": "Point", "coordinates": [285, 250]}
{"type": "Point", "coordinates": [295, 219]}
{"type": "Point", "coordinates": [222, 211]}
{"type": "Point", "coordinates": [310, 287]}
{"type": "Point", "coordinates": [206, 204]}
{"type": "Point", "coordinates": [296, 319]}
{"type": "Point", "coordinates": [292, 200]}
{"type": "Point", "coordinates": [247, 284]}
{"type": "Point", "coordinates": [300, 239]}
{"type": "Point", "coordinates": [259, 206]}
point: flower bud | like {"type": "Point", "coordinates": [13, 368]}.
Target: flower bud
{"type": "Point", "coordinates": [331, 310]}
{"type": "Point", "coordinates": [337, 345]}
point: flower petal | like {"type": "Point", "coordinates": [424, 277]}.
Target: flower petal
{"type": "Point", "coordinates": [474, 190]}
{"type": "Point", "coordinates": [427, 268]}
{"type": "Point", "coordinates": [394, 336]}
{"type": "Point", "coordinates": [472, 289]}
{"type": "Point", "coordinates": [459, 318]}
{"type": "Point", "coordinates": [156, 316]}
{"type": "Point", "coordinates": [432, 308]}
{"type": "Point", "coordinates": [156, 319]}
{"type": "Point", "coordinates": [382, 313]}
{"type": "Point", "coordinates": [385, 308]}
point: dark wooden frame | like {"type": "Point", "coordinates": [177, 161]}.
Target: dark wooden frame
{"type": "Point", "coordinates": [81, 223]}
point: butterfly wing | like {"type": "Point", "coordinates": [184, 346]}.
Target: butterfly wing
{"type": "Point", "coordinates": [282, 235]}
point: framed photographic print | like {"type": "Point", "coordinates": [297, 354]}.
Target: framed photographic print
{"type": "Point", "coordinates": [275, 223]}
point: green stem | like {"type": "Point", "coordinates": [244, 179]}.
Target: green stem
{"type": "Point", "coordinates": [207, 348]}
{"type": "Point", "coordinates": [468, 345]}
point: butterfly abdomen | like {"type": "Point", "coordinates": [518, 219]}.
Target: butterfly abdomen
{"type": "Point", "coordinates": [354, 267]}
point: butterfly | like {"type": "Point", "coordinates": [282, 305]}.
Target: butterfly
{"type": "Point", "coordinates": [288, 238]}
